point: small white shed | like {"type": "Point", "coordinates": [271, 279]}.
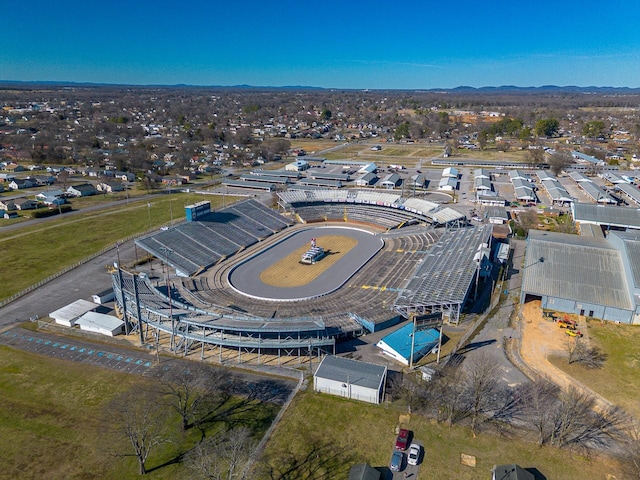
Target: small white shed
{"type": "Point", "coordinates": [100, 323]}
{"type": "Point", "coordinates": [68, 314]}
{"type": "Point", "coordinates": [351, 379]}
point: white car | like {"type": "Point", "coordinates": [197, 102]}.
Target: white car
{"type": "Point", "coordinates": [414, 454]}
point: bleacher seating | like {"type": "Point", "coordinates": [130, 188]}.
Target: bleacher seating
{"type": "Point", "coordinates": [200, 244]}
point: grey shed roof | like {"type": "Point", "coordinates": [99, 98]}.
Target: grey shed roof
{"type": "Point", "coordinates": [631, 241]}
{"type": "Point", "coordinates": [362, 471]}
{"type": "Point", "coordinates": [632, 192]}
{"type": "Point", "coordinates": [511, 472]}
{"type": "Point", "coordinates": [596, 193]}
{"type": "Point", "coordinates": [606, 215]}
{"type": "Point", "coordinates": [350, 371]}
{"type": "Point", "coordinates": [582, 269]}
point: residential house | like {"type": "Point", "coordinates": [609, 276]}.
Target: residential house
{"type": "Point", "coordinates": [13, 167]}
{"type": "Point", "coordinates": [51, 197]}
{"type": "Point", "coordinates": [6, 177]}
{"type": "Point", "coordinates": [25, 204]}
{"type": "Point", "coordinates": [43, 179]}
{"type": "Point", "coordinates": [7, 204]}
{"type": "Point", "coordinates": [173, 181]}
{"type": "Point", "coordinates": [21, 183]}
{"type": "Point", "coordinates": [110, 187]}
{"type": "Point", "coordinates": [125, 176]}
{"type": "Point", "coordinates": [81, 190]}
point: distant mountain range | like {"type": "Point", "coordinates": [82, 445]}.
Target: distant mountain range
{"type": "Point", "coordinates": [461, 89]}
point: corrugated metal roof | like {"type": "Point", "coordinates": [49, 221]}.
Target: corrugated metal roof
{"type": "Point", "coordinates": [605, 215]}
{"type": "Point", "coordinates": [631, 191]}
{"type": "Point", "coordinates": [350, 371]}
{"type": "Point", "coordinates": [632, 246]}
{"type": "Point", "coordinates": [583, 269]}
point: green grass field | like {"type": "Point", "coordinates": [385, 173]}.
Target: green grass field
{"type": "Point", "coordinates": [33, 253]}
{"type": "Point", "coordinates": [618, 381]}
{"type": "Point", "coordinates": [52, 418]}
{"type": "Point", "coordinates": [358, 432]}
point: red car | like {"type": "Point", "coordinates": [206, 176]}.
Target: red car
{"type": "Point", "coordinates": [402, 440]}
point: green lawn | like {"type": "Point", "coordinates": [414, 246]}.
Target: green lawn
{"type": "Point", "coordinates": [32, 253]}
{"type": "Point", "coordinates": [618, 381]}
{"type": "Point", "coordinates": [318, 428]}
{"type": "Point", "coordinates": [51, 422]}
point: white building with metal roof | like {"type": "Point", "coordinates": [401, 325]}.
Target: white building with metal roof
{"type": "Point", "coordinates": [351, 379]}
{"type": "Point", "coordinates": [68, 314]}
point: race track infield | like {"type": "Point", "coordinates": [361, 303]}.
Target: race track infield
{"type": "Point", "coordinates": [275, 274]}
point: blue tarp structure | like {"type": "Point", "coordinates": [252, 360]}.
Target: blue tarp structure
{"type": "Point", "coordinates": [398, 343]}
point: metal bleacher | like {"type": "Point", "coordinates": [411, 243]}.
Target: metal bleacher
{"type": "Point", "coordinates": [192, 246]}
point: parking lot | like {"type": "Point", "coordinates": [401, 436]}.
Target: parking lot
{"type": "Point", "coordinates": [78, 351]}
{"type": "Point", "coordinates": [406, 470]}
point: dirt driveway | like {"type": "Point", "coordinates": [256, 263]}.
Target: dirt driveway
{"type": "Point", "coordinates": [542, 338]}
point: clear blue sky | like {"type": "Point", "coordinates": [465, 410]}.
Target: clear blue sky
{"type": "Point", "coordinates": [340, 44]}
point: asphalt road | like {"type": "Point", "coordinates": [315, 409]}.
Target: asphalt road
{"type": "Point", "coordinates": [489, 341]}
{"type": "Point", "coordinates": [81, 282]}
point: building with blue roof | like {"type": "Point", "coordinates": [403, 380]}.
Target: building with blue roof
{"type": "Point", "coordinates": [398, 343]}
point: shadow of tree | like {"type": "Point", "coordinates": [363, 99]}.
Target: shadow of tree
{"type": "Point", "coordinates": [320, 460]}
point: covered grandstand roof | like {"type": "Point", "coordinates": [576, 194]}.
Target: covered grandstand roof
{"type": "Point", "coordinates": [574, 267]}
{"type": "Point", "coordinates": [436, 213]}
{"type": "Point", "coordinates": [623, 217]}
{"type": "Point", "coordinates": [446, 273]}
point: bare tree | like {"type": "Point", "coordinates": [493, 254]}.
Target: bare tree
{"type": "Point", "coordinates": [186, 391]}
{"type": "Point", "coordinates": [448, 395]}
{"type": "Point", "coordinates": [224, 456]}
{"type": "Point", "coordinates": [559, 161]}
{"type": "Point", "coordinates": [481, 387]}
{"type": "Point", "coordinates": [577, 421]}
{"type": "Point", "coordinates": [537, 400]}
{"type": "Point", "coordinates": [528, 219]}
{"type": "Point", "coordinates": [136, 417]}
{"type": "Point", "coordinates": [631, 446]}
{"type": "Point", "coordinates": [581, 353]}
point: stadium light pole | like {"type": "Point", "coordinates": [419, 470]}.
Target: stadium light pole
{"type": "Point", "coordinates": [167, 251]}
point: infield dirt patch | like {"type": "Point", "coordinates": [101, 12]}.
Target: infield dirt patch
{"type": "Point", "coordinates": [289, 272]}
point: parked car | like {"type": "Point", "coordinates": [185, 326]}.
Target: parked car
{"type": "Point", "coordinates": [402, 440]}
{"type": "Point", "coordinates": [395, 465]}
{"type": "Point", "coordinates": [414, 454]}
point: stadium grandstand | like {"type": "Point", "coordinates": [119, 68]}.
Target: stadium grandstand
{"type": "Point", "coordinates": [319, 205]}
{"type": "Point", "coordinates": [210, 237]}
{"type": "Point", "coordinates": [444, 280]}
{"type": "Point", "coordinates": [197, 308]}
